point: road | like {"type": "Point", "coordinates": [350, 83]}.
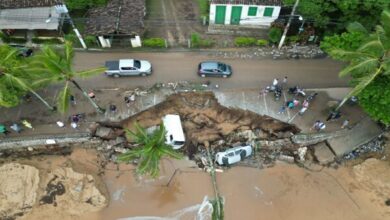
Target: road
{"type": "Point", "coordinates": [178, 66]}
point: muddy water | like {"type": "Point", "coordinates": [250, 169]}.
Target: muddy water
{"type": "Point", "coordinates": [278, 193]}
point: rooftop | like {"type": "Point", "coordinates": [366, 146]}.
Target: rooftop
{"type": "Point", "coordinates": [14, 4]}
{"type": "Point", "coordinates": [118, 17]}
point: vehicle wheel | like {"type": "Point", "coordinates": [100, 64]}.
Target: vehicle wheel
{"type": "Point", "coordinates": [225, 161]}
{"type": "Point", "coordinates": [224, 76]}
{"type": "Point", "coordinates": [243, 154]}
{"type": "Point", "coordinates": [116, 75]}
{"type": "Point", "coordinates": [143, 74]}
{"type": "Point", "coordinates": [203, 75]}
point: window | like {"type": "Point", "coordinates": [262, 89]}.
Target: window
{"type": "Point", "coordinates": [137, 63]}
{"type": "Point", "coordinates": [268, 12]}
{"type": "Point", "coordinates": [252, 11]}
{"type": "Point", "coordinates": [127, 68]}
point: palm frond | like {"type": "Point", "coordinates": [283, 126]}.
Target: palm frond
{"type": "Point", "coordinates": [10, 53]}
{"type": "Point", "coordinates": [91, 72]}
{"type": "Point", "coordinates": [357, 27]}
{"type": "Point", "coordinates": [364, 66]}
{"type": "Point", "coordinates": [348, 55]}
{"type": "Point", "coordinates": [69, 54]}
{"type": "Point", "coordinates": [364, 81]}
{"type": "Point", "coordinates": [385, 21]}
{"type": "Point", "coordinates": [374, 48]}
{"type": "Point", "coordinates": [63, 98]}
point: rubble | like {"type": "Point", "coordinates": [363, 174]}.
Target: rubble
{"type": "Point", "coordinates": [374, 146]}
{"type": "Point", "coordinates": [323, 154]}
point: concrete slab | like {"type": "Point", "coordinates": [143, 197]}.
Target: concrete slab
{"type": "Point", "coordinates": [323, 154]}
{"type": "Point", "coordinates": [362, 133]}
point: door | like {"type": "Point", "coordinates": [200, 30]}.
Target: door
{"type": "Point", "coordinates": [129, 71]}
{"type": "Point", "coordinates": [220, 14]}
{"type": "Point", "coordinates": [236, 15]}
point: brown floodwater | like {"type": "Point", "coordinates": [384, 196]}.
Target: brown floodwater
{"type": "Point", "coordinates": [282, 192]}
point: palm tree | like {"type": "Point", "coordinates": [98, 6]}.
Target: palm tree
{"type": "Point", "coordinates": [58, 67]}
{"type": "Point", "coordinates": [152, 148]}
{"type": "Point", "coordinates": [370, 60]}
{"type": "Point", "coordinates": [14, 79]}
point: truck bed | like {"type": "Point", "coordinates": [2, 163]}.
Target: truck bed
{"type": "Point", "coordinates": [112, 65]}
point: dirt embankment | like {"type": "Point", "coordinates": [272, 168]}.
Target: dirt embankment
{"type": "Point", "coordinates": [58, 188]}
{"type": "Point", "coordinates": [205, 120]}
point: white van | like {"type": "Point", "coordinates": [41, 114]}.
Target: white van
{"type": "Point", "coordinates": [175, 135]}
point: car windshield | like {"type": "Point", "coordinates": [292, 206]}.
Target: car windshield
{"type": "Point", "coordinates": [137, 64]}
{"type": "Point", "coordinates": [222, 66]}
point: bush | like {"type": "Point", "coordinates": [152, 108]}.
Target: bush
{"type": "Point", "coordinates": [204, 7]}
{"type": "Point", "coordinates": [4, 37]}
{"type": "Point", "coordinates": [46, 41]}
{"type": "Point", "coordinates": [293, 39]}
{"type": "Point", "coordinates": [90, 41]}
{"type": "Point", "coordinates": [154, 42]}
{"type": "Point", "coordinates": [262, 42]}
{"type": "Point", "coordinates": [197, 41]}
{"type": "Point", "coordinates": [275, 34]}
{"type": "Point", "coordinates": [244, 41]}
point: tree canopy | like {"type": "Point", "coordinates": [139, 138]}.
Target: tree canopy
{"type": "Point", "coordinates": [369, 67]}
{"type": "Point", "coordinates": [333, 16]}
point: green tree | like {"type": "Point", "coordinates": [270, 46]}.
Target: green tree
{"type": "Point", "coordinates": [368, 62]}
{"type": "Point", "coordinates": [152, 148]}
{"type": "Point", "coordinates": [375, 99]}
{"type": "Point", "coordinates": [333, 16]}
{"type": "Point", "coordinates": [56, 66]}
{"type": "Point", "coordinates": [15, 80]}
{"type": "Point", "coordinates": [274, 34]}
{"type": "Point", "coordinates": [84, 4]}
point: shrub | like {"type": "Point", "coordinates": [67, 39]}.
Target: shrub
{"type": "Point", "coordinates": [4, 37]}
{"type": "Point", "coordinates": [293, 39]}
{"type": "Point", "coordinates": [154, 42]}
{"type": "Point", "coordinates": [275, 34]}
{"type": "Point", "coordinates": [262, 42]}
{"type": "Point", "coordinates": [197, 41]}
{"type": "Point", "coordinates": [204, 7]}
{"type": "Point", "coordinates": [46, 41]}
{"type": "Point", "coordinates": [90, 41]}
{"type": "Point", "coordinates": [244, 41]}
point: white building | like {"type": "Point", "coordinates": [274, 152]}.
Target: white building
{"type": "Point", "coordinates": [248, 13]}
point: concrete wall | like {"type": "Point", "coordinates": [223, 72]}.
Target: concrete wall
{"type": "Point", "coordinates": [246, 20]}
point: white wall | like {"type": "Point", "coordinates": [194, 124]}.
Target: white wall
{"type": "Point", "coordinates": [245, 19]}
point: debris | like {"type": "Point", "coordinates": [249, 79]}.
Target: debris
{"type": "Point", "coordinates": [286, 158]}
{"type": "Point", "coordinates": [302, 153]}
{"type": "Point", "coordinates": [375, 145]}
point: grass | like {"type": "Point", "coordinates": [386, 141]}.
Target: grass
{"type": "Point", "coordinates": [204, 7]}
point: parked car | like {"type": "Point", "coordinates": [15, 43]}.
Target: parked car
{"type": "Point", "coordinates": [214, 68]}
{"type": "Point", "coordinates": [233, 155]}
{"type": "Point", "coordinates": [128, 67]}
{"type": "Point", "coordinates": [23, 51]}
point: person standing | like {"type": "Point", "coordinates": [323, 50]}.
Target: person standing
{"type": "Point", "coordinates": [282, 109]}
{"type": "Point", "coordinates": [72, 99]}
{"type": "Point", "coordinates": [284, 82]}
{"type": "Point", "coordinates": [275, 82]}
{"type": "Point", "coordinates": [345, 124]}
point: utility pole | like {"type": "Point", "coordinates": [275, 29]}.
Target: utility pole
{"type": "Point", "coordinates": [288, 24]}
{"type": "Point", "coordinates": [62, 9]}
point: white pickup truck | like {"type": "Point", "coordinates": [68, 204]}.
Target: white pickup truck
{"type": "Point", "coordinates": [128, 67]}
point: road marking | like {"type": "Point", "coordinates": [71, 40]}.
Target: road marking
{"type": "Point", "coordinates": [265, 104]}
{"type": "Point", "coordinates": [243, 98]}
{"type": "Point", "coordinates": [290, 120]}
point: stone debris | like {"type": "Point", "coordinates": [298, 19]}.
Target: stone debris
{"type": "Point", "coordinates": [323, 154]}
{"type": "Point", "coordinates": [374, 146]}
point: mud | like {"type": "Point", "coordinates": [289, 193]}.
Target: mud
{"type": "Point", "coordinates": [205, 120]}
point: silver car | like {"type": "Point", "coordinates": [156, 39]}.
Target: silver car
{"type": "Point", "coordinates": [214, 68]}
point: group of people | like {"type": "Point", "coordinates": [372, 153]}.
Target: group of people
{"type": "Point", "coordinates": [15, 127]}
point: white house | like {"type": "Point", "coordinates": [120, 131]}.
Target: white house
{"type": "Point", "coordinates": [249, 13]}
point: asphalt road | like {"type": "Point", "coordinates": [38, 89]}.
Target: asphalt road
{"type": "Point", "coordinates": [178, 66]}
